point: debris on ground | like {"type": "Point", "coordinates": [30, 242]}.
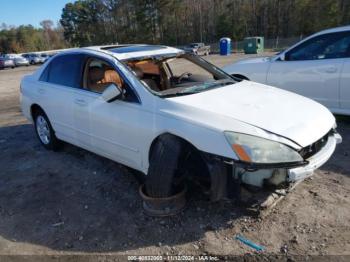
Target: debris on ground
{"type": "Point", "coordinates": [284, 249]}
{"type": "Point", "coordinates": [58, 224]}
{"type": "Point", "coordinates": [250, 243]}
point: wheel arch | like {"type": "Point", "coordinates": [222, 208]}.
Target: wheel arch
{"type": "Point", "coordinates": [34, 108]}
{"type": "Point", "coordinates": [54, 143]}
{"type": "Point", "coordinates": [186, 147]}
{"type": "Point", "coordinates": [213, 166]}
{"type": "Point", "coordinates": [183, 140]}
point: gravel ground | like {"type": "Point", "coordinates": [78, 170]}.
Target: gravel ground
{"type": "Point", "coordinates": [75, 202]}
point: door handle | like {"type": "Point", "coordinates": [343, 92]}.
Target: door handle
{"type": "Point", "coordinates": [41, 91]}
{"type": "Point", "coordinates": [332, 69]}
{"type": "Point", "coordinates": [80, 102]}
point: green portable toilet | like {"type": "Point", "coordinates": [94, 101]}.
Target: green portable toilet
{"type": "Point", "coordinates": [253, 45]}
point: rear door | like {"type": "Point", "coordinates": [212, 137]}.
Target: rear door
{"type": "Point", "coordinates": [59, 81]}
{"type": "Point", "coordinates": [313, 68]}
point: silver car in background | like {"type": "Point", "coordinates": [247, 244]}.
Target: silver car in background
{"type": "Point", "coordinates": [6, 62]}
{"type": "Point", "coordinates": [20, 61]}
{"type": "Point", "coordinates": [17, 59]}
{"type": "Point", "coordinates": [34, 58]}
{"type": "Point", "coordinates": [44, 57]}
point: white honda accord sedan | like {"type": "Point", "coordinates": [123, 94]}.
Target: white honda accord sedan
{"type": "Point", "coordinates": [172, 115]}
{"type": "Point", "coordinates": [317, 67]}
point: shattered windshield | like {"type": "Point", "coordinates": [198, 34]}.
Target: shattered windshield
{"type": "Point", "coordinates": [178, 75]}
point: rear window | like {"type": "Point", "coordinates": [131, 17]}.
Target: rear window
{"type": "Point", "coordinates": [64, 70]}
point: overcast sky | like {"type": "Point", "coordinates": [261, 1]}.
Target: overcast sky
{"type": "Point", "coordinates": [19, 12]}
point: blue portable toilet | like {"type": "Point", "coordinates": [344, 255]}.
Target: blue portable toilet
{"type": "Point", "coordinates": [225, 46]}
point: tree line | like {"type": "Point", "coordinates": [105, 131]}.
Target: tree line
{"type": "Point", "coordinates": [176, 22]}
{"type": "Point", "coordinates": [27, 38]}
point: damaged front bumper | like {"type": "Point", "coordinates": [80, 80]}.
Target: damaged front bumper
{"type": "Point", "coordinates": [226, 174]}
{"type": "Point", "coordinates": [316, 160]}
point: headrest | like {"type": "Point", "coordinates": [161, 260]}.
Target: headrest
{"type": "Point", "coordinates": [138, 72]}
{"type": "Point", "coordinates": [96, 74]}
{"type": "Point", "coordinates": [111, 76]}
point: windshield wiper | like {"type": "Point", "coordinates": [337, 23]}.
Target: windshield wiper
{"type": "Point", "coordinates": [223, 83]}
{"type": "Point", "coordinates": [198, 89]}
{"type": "Point", "coordinates": [178, 94]}
{"type": "Point", "coordinates": [205, 87]}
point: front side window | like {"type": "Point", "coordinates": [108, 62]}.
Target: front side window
{"type": "Point", "coordinates": [181, 74]}
{"type": "Point", "coordinates": [64, 70]}
{"type": "Point", "coordinates": [327, 46]}
{"type": "Point", "coordinates": [99, 74]}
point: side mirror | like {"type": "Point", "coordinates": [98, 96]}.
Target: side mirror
{"type": "Point", "coordinates": [112, 92]}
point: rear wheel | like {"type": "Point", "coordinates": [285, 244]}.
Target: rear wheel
{"type": "Point", "coordinates": [44, 131]}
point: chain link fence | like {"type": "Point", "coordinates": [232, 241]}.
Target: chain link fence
{"type": "Point", "coordinates": [274, 45]}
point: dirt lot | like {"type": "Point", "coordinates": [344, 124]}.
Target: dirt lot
{"type": "Point", "coordinates": [75, 202]}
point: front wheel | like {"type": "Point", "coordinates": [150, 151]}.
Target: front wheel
{"type": "Point", "coordinates": [45, 132]}
{"type": "Point", "coordinates": [163, 180]}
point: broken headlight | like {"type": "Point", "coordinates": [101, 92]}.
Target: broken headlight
{"type": "Point", "coordinates": [260, 150]}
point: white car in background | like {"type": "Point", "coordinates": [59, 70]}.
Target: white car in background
{"type": "Point", "coordinates": [21, 61]}
{"type": "Point", "coordinates": [18, 59]}
{"type": "Point", "coordinates": [317, 67]}
{"type": "Point", "coordinates": [6, 62]}
{"type": "Point", "coordinates": [34, 58]}
{"type": "Point", "coordinates": [171, 115]}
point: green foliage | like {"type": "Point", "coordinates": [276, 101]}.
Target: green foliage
{"type": "Point", "coordinates": [175, 22]}
{"type": "Point", "coordinates": [26, 38]}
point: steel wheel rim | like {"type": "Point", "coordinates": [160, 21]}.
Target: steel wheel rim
{"type": "Point", "coordinates": [42, 127]}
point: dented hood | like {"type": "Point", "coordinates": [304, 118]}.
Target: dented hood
{"type": "Point", "coordinates": [286, 114]}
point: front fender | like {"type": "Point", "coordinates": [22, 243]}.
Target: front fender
{"type": "Point", "coordinates": [202, 138]}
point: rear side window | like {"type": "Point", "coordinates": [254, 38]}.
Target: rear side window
{"type": "Point", "coordinates": [64, 70]}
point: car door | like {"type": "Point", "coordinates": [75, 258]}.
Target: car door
{"type": "Point", "coordinates": [58, 83]}
{"type": "Point", "coordinates": [312, 68]}
{"type": "Point", "coordinates": [109, 129]}
{"type": "Point", "coordinates": [345, 86]}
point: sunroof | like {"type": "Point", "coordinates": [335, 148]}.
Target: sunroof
{"type": "Point", "coordinates": [134, 48]}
